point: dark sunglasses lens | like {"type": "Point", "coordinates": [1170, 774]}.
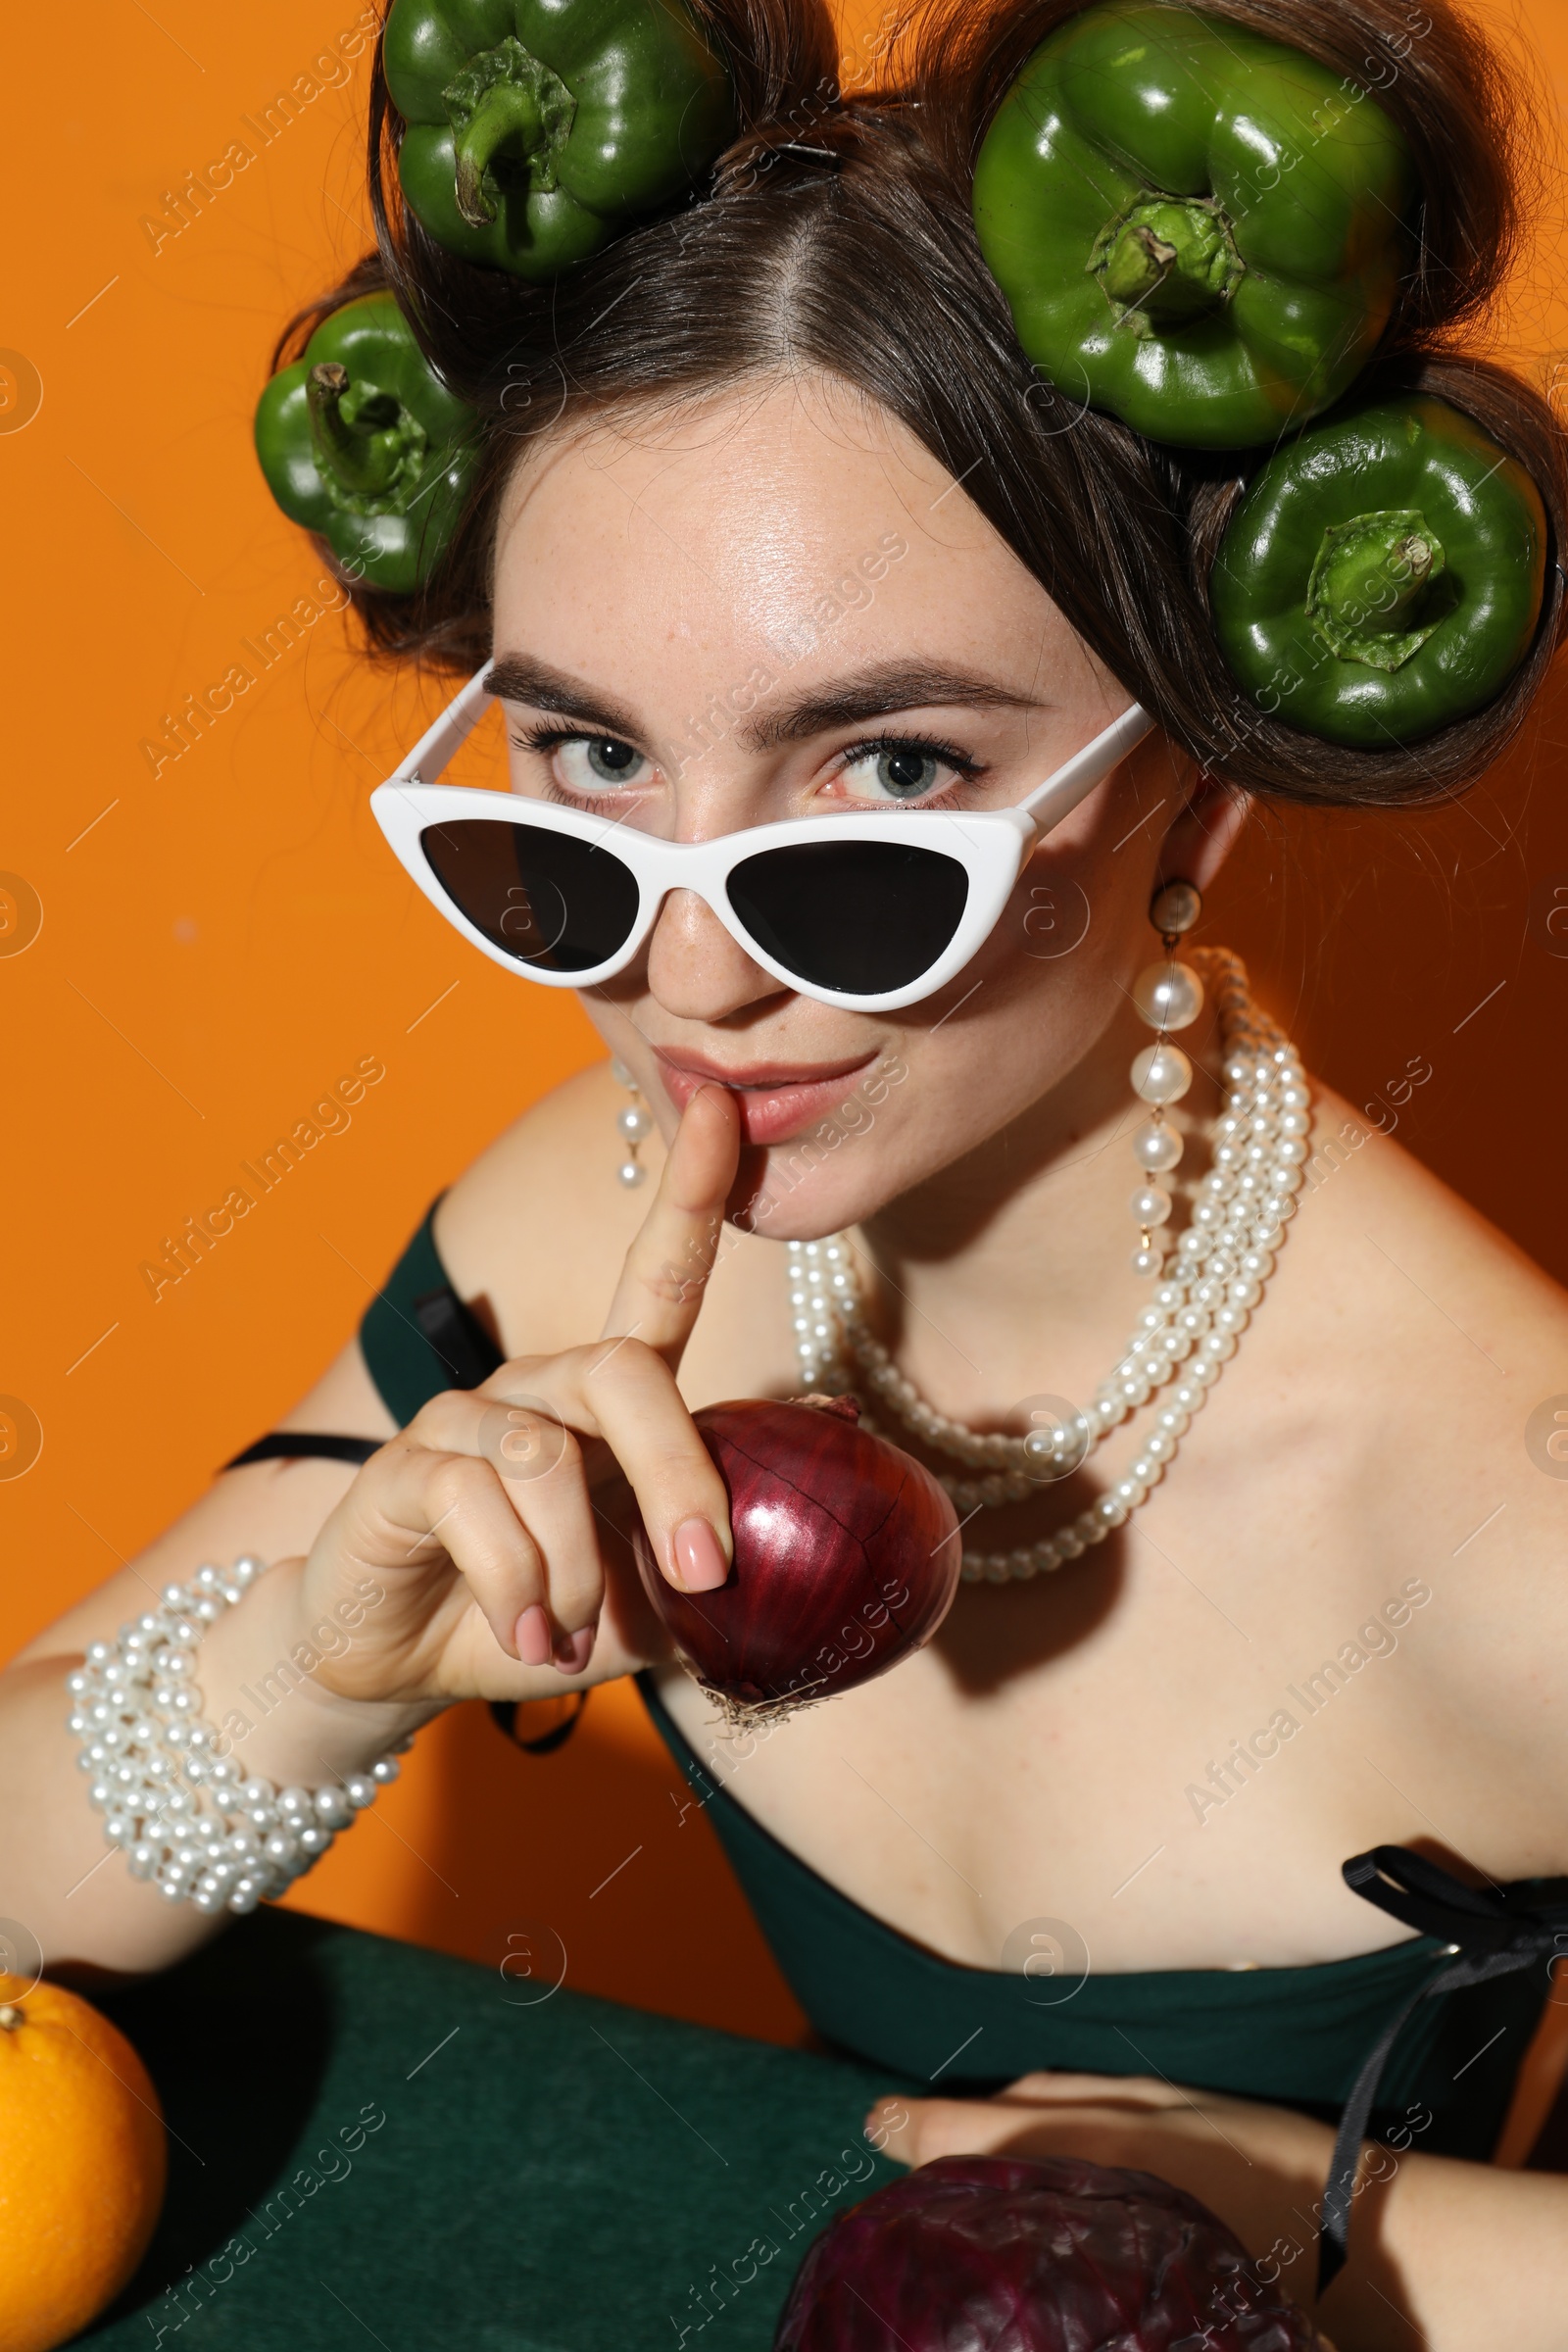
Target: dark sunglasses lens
{"type": "Point", "coordinates": [863, 917]}
{"type": "Point", "coordinates": [548, 899]}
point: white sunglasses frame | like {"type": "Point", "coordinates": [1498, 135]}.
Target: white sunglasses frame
{"type": "Point", "coordinates": [989, 844]}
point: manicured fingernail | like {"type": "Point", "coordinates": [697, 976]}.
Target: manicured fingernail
{"type": "Point", "coordinates": [574, 1651]}
{"type": "Point", "coordinates": [701, 1563]}
{"type": "Point", "coordinates": [532, 1637]}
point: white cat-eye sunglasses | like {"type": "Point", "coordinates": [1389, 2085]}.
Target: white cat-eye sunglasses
{"type": "Point", "coordinates": [871, 912]}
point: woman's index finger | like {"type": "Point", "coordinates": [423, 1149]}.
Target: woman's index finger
{"type": "Point", "coordinates": [665, 1273]}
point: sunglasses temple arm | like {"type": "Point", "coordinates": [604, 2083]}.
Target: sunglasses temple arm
{"type": "Point", "coordinates": [1073, 782]}
{"type": "Point", "coordinates": [440, 743]}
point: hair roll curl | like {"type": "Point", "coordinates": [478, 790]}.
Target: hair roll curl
{"type": "Point", "coordinates": [835, 238]}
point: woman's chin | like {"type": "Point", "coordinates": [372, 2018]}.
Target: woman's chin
{"type": "Point", "coordinates": [795, 1191]}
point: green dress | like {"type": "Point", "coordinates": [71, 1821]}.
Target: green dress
{"type": "Point", "coordinates": [1293, 2037]}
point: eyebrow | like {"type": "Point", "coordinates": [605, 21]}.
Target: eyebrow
{"type": "Point", "coordinates": [874, 692]}
{"type": "Point", "coordinates": [518, 678]}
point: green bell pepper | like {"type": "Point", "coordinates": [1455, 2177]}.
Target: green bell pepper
{"type": "Point", "coordinates": [537, 127]}
{"type": "Point", "coordinates": [1196, 228]}
{"type": "Point", "coordinates": [1382, 575]}
{"type": "Point", "coordinates": [362, 442]}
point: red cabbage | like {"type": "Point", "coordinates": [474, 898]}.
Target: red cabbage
{"type": "Point", "coordinates": [1034, 2254]}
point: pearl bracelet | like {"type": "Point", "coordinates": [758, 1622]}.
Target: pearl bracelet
{"type": "Point", "coordinates": [185, 1816]}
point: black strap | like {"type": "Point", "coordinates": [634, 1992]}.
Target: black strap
{"type": "Point", "coordinates": [304, 1444]}
{"type": "Point", "coordinates": [457, 1335]}
{"type": "Point", "coordinates": [464, 1347]}
{"type": "Point", "coordinates": [1490, 1931]}
{"type": "Point", "coordinates": [504, 1712]}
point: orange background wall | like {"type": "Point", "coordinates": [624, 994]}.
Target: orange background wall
{"type": "Point", "coordinates": [221, 940]}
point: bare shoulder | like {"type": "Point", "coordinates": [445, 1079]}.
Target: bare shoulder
{"type": "Point", "coordinates": [1390, 1243]}
{"type": "Point", "coordinates": [533, 1234]}
{"type": "Point", "coordinates": [1435, 1353]}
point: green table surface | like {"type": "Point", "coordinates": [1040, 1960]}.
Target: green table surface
{"type": "Point", "coordinates": [551, 2173]}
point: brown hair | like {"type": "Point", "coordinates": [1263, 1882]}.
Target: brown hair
{"type": "Point", "coordinates": [835, 237]}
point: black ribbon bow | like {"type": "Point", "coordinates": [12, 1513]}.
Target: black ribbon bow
{"type": "Point", "coordinates": [1490, 1931]}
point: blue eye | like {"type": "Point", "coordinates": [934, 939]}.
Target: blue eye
{"type": "Point", "coordinates": [587, 763]}
{"type": "Point", "coordinates": [895, 771]}
{"type": "Point", "coordinates": [614, 761]}
{"type": "Point", "coordinates": [906, 773]}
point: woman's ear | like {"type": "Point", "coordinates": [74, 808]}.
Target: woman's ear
{"type": "Point", "coordinates": [1203, 834]}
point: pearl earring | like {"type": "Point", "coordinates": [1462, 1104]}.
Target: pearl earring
{"type": "Point", "coordinates": [1169, 996]}
{"type": "Point", "coordinates": [635, 1126]}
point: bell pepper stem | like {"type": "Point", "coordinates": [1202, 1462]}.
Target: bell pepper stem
{"type": "Point", "coordinates": [1166, 260]}
{"type": "Point", "coordinates": [508, 119]}
{"type": "Point", "coordinates": [362, 443]}
{"type": "Point", "coordinates": [1368, 583]}
{"type": "Point", "coordinates": [1138, 262]}
{"type": "Point", "coordinates": [1372, 581]}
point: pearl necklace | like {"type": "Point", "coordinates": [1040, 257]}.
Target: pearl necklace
{"type": "Point", "coordinates": [1215, 1281]}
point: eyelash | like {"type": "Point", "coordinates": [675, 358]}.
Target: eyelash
{"type": "Point", "coordinates": [948, 753]}
{"type": "Point", "coordinates": [545, 740]}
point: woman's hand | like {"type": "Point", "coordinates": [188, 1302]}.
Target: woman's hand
{"type": "Point", "coordinates": [1444, 2255]}
{"type": "Point", "coordinates": [1259, 2168]}
{"type": "Point", "coordinates": [474, 1547]}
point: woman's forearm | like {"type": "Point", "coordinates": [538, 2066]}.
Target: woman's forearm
{"type": "Point", "coordinates": [1454, 2257]}
{"type": "Point", "coordinates": [1444, 2256]}
{"type": "Point", "coordinates": [62, 1883]}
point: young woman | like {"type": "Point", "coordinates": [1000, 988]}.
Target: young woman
{"type": "Point", "coordinates": [773, 522]}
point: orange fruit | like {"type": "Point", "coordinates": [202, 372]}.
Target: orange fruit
{"type": "Point", "coordinates": [83, 2162]}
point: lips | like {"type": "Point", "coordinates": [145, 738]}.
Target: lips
{"type": "Point", "coordinates": [776, 1099]}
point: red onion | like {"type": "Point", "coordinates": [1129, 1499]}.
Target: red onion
{"type": "Point", "coordinates": [1044, 2254]}
{"type": "Point", "coordinates": [847, 1558]}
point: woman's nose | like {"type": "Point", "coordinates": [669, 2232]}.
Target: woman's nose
{"type": "Point", "coordinates": [695, 970]}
